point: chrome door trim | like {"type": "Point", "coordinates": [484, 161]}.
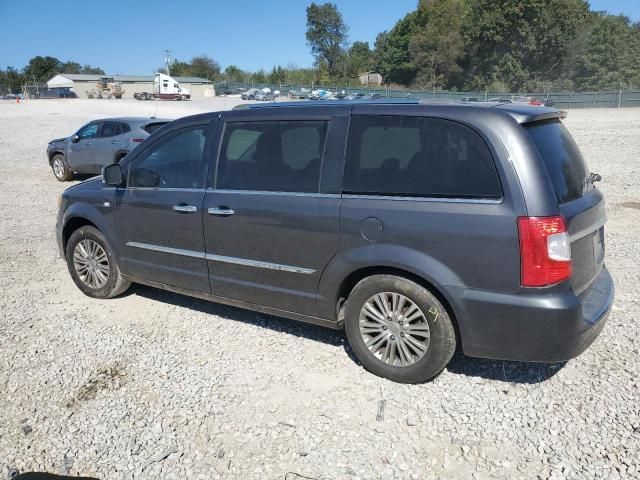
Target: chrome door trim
{"type": "Point", "coordinates": [265, 192]}
{"type": "Point", "coordinates": [222, 258]}
{"type": "Point", "coordinates": [220, 211]}
{"type": "Point", "coordinates": [259, 264]}
{"type": "Point", "coordinates": [484, 201]}
{"type": "Point", "coordinates": [159, 248]}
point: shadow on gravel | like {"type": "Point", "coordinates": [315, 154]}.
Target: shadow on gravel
{"type": "Point", "coordinates": [504, 371]}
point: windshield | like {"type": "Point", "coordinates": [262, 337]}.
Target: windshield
{"type": "Point", "coordinates": [565, 164]}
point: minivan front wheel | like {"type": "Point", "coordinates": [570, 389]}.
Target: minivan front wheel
{"type": "Point", "coordinates": [92, 265]}
{"type": "Point", "coordinates": [398, 329]}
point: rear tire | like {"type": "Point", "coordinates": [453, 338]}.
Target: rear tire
{"type": "Point", "coordinates": [398, 329]}
{"type": "Point", "coordinates": [61, 169]}
{"type": "Point", "coordinates": [92, 265]}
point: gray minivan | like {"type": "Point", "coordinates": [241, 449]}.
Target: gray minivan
{"type": "Point", "coordinates": [417, 228]}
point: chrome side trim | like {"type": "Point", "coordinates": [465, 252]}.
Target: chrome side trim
{"type": "Point", "coordinates": [222, 258]}
{"type": "Point", "coordinates": [258, 264]}
{"type": "Point", "coordinates": [262, 192]}
{"type": "Point", "coordinates": [489, 201]}
{"type": "Point", "coordinates": [174, 251]}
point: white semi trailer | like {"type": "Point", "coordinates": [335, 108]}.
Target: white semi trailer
{"type": "Point", "coordinates": [164, 88]}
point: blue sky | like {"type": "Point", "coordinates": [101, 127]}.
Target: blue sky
{"type": "Point", "coordinates": [127, 37]}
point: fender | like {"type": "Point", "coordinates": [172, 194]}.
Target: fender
{"type": "Point", "coordinates": [102, 217]}
{"type": "Point", "coordinates": [390, 256]}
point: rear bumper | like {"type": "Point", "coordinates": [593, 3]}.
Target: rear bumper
{"type": "Point", "coordinates": [536, 326]}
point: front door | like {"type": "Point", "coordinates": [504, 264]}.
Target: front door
{"type": "Point", "coordinates": [159, 213]}
{"type": "Point", "coordinates": [105, 146]}
{"type": "Point", "coordinates": [269, 230]}
{"type": "Point", "coordinates": [81, 153]}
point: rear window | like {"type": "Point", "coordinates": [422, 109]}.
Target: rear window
{"type": "Point", "coordinates": [152, 127]}
{"type": "Point", "coordinates": [417, 156]}
{"type": "Point", "coordinates": [565, 164]}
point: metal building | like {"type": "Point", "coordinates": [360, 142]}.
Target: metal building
{"type": "Point", "coordinates": [80, 84]}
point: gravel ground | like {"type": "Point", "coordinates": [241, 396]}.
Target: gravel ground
{"type": "Point", "coordinates": [155, 385]}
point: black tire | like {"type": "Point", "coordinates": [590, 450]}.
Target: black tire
{"type": "Point", "coordinates": [115, 283]}
{"type": "Point", "coordinates": [60, 168]}
{"type": "Point", "coordinates": [442, 341]}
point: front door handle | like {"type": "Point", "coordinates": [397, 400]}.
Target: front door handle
{"type": "Point", "coordinates": [185, 208]}
{"type": "Point", "coordinates": [222, 211]}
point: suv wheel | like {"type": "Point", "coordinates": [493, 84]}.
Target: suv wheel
{"type": "Point", "coordinates": [398, 329]}
{"type": "Point", "coordinates": [60, 168]}
{"type": "Point", "coordinates": [92, 265]}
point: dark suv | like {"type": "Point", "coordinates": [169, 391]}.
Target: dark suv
{"type": "Point", "coordinates": [415, 227]}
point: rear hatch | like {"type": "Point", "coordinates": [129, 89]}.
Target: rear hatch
{"type": "Point", "coordinates": [581, 204]}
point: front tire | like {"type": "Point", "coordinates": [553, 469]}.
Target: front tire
{"type": "Point", "coordinates": [92, 265]}
{"type": "Point", "coordinates": [61, 169]}
{"type": "Point", "coordinates": [398, 329]}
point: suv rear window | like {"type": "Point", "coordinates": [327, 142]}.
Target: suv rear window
{"type": "Point", "coordinates": [152, 127]}
{"type": "Point", "coordinates": [418, 157]}
{"type": "Point", "coordinates": [565, 164]}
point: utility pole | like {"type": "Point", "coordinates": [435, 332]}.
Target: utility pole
{"type": "Point", "coordinates": [167, 59]}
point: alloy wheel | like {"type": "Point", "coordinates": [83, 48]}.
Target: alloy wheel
{"type": "Point", "coordinates": [91, 263]}
{"type": "Point", "coordinates": [395, 329]}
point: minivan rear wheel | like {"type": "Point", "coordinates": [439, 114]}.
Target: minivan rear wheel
{"type": "Point", "coordinates": [92, 265]}
{"type": "Point", "coordinates": [398, 329]}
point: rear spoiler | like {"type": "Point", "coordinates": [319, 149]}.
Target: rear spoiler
{"type": "Point", "coordinates": [530, 114]}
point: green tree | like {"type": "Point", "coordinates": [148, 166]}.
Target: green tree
{"type": "Point", "coordinates": [205, 67]}
{"type": "Point", "coordinates": [610, 55]}
{"type": "Point", "coordinates": [359, 59]}
{"type": "Point", "coordinates": [437, 44]}
{"type": "Point", "coordinates": [234, 74]}
{"type": "Point", "coordinates": [42, 69]}
{"type": "Point", "coordinates": [391, 55]}
{"type": "Point", "coordinates": [327, 37]}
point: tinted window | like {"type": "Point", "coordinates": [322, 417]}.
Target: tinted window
{"type": "Point", "coordinates": [567, 169]}
{"type": "Point", "coordinates": [125, 128]}
{"type": "Point", "coordinates": [272, 156]}
{"type": "Point", "coordinates": [89, 131]}
{"type": "Point", "coordinates": [417, 156]}
{"type": "Point", "coordinates": [152, 127]}
{"type": "Point", "coordinates": [175, 161]}
{"type": "Point", "coordinates": [108, 129]}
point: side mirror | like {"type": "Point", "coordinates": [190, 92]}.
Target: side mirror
{"type": "Point", "coordinates": [112, 175]}
{"type": "Point", "coordinates": [75, 139]}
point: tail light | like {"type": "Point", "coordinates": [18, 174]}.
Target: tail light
{"type": "Point", "coordinates": [137, 140]}
{"type": "Point", "coordinates": [545, 251]}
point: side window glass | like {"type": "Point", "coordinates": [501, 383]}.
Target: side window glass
{"type": "Point", "coordinates": [175, 161]}
{"type": "Point", "coordinates": [417, 156]}
{"type": "Point", "coordinates": [274, 156]}
{"type": "Point", "coordinates": [125, 128]}
{"type": "Point", "coordinates": [108, 129]}
{"type": "Point", "coordinates": [89, 131]}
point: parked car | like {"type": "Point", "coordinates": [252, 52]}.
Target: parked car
{"type": "Point", "coordinates": [355, 96]}
{"type": "Point", "coordinates": [249, 94]}
{"type": "Point", "coordinates": [476, 225]}
{"type": "Point", "coordinates": [264, 96]}
{"type": "Point", "coordinates": [373, 96]}
{"type": "Point", "coordinates": [97, 144]}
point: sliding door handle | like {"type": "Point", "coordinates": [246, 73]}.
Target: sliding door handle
{"type": "Point", "coordinates": [222, 211]}
{"type": "Point", "coordinates": [185, 208]}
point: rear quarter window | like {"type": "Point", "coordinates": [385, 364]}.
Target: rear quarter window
{"type": "Point", "coordinates": [566, 167]}
{"type": "Point", "coordinates": [152, 127]}
{"type": "Point", "coordinates": [418, 157]}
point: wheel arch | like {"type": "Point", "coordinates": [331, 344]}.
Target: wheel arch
{"type": "Point", "coordinates": [356, 276]}
{"type": "Point", "coordinates": [82, 214]}
{"type": "Point", "coordinates": [53, 153]}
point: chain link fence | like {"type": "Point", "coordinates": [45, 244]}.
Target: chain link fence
{"type": "Point", "coordinates": [602, 99]}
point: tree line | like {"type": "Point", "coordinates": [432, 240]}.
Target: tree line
{"type": "Point", "coordinates": [465, 45]}
{"type": "Point", "coordinates": [497, 45]}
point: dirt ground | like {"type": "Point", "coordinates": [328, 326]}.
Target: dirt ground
{"type": "Point", "coordinates": [155, 385]}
